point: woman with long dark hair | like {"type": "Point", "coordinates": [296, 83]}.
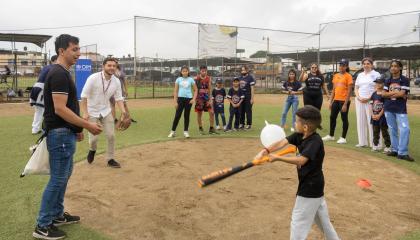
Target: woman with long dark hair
{"type": "Point", "coordinates": [396, 91]}
{"type": "Point", "coordinates": [363, 89]}
{"type": "Point", "coordinates": [314, 81]}
{"type": "Point", "coordinates": [184, 98]}
{"type": "Point", "coordinates": [292, 87]}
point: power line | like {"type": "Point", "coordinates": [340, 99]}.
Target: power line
{"type": "Point", "coordinates": [66, 27]}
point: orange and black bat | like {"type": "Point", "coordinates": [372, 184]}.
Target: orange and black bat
{"type": "Point", "coordinates": [221, 174]}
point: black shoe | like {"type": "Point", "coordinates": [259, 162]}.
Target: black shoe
{"type": "Point", "coordinates": [392, 154]}
{"type": "Point", "coordinates": [50, 232]}
{"type": "Point", "coordinates": [212, 131]}
{"type": "Point", "coordinates": [114, 164]}
{"type": "Point", "coordinates": [91, 156]}
{"type": "Point", "coordinates": [406, 157]}
{"type": "Point", "coordinates": [201, 130]}
{"type": "Point", "coordinates": [115, 121]}
{"type": "Point", "coordinates": [66, 219]}
{"type": "Point", "coordinates": [133, 121]}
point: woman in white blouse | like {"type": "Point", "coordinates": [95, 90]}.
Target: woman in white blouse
{"type": "Point", "coordinates": [364, 87]}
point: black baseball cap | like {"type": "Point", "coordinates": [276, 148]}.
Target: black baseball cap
{"type": "Point", "coordinates": [343, 62]}
{"type": "Point", "coordinates": [219, 80]}
{"type": "Point", "coordinates": [380, 79]}
{"type": "Point", "coordinates": [235, 79]}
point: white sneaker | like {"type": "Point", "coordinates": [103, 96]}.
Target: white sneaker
{"type": "Point", "coordinates": [186, 134]}
{"type": "Point", "coordinates": [171, 134]}
{"type": "Point", "coordinates": [387, 150]}
{"type": "Point", "coordinates": [328, 138]}
{"type": "Point", "coordinates": [218, 127]}
{"type": "Point", "coordinates": [342, 141]}
{"type": "Point", "coordinates": [292, 129]}
{"type": "Point", "coordinates": [376, 149]}
{"type": "Point", "coordinates": [360, 146]}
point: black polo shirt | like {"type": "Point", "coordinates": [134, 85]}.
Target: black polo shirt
{"type": "Point", "coordinates": [59, 81]}
{"type": "Point", "coordinates": [311, 177]}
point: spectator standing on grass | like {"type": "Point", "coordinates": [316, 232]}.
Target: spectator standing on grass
{"type": "Point", "coordinates": [247, 85]}
{"type": "Point", "coordinates": [396, 92]}
{"type": "Point", "coordinates": [292, 87]}
{"type": "Point", "coordinates": [236, 98]}
{"type": "Point", "coordinates": [364, 87]}
{"type": "Point", "coordinates": [218, 96]}
{"type": "Point", "coordinates": [185, 93]}
{"type": "Point", "coordinates": [64, 127]}
{"type": "Point", "coordinates": [314, 84]}
{"type": "Point", "coordinates": [340, 101]}
{"type": "Point", "coordinates": [36, 98]}
{"type": "Point", "coordinates": [204, 102]}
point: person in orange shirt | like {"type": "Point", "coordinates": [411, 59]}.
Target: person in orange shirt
{"type": "Point", "coordinates": [340, 101]}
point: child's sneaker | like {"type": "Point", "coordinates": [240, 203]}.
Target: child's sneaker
{"type": "Point", "coordinates": [201, 130]}
{"type": "Point", "coordinates": [218, 127]}
{"type": "Point", "coordinates": [212, 131]}
{"type": "Point", "coordinates": [328, 138]}
{"type": "Point", "coordinates": [248, 127]}
{"type": "Point", "coordinates": [342, 141]}
{"type": "Point", "coordinates": [360, 146]}
{"type": "Point", "coordinates": [376, 149]}
{"type": "Point", "coordinates": [241, 126]}
{"type": "Point", "coordinates": [186, 134]}
{"type": "Point", "coordinates": [171, 134]}
{"type": "Point", "coordinates": [387, 150]}
{"type": "Point", "coordinates": [66, 219]}
{"type": "Point", "coordinates": [405, 157]}
{"type": "Point", "coordinates": [228, 130]}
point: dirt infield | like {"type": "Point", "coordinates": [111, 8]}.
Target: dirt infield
{"type": "Point", "coordinates": [156, 196]}
{"type": "Point", "coordinates": [23, 109]}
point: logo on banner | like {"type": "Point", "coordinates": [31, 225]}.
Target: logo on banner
{"type": "Point", "coordinates": [83, 68]}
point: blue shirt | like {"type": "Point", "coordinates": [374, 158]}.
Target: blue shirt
{"type": "Point", "coordinates": [245, 83]}
{"type": "Point", "coordinates": [219, 99]}
{"type": "Point", "coordinates": [292, 86]}
{"type": "Point", "coordinates": [184, 87]}
{"type": "Point", "coordinates": [235, 95]}
{"type": "Point", "coordinates": [397, 105]}
{"type": "Point", "coordinates": [377, 102]}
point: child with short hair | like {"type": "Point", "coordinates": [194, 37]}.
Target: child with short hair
{"type": "Point", "coordinates": [218, 96]}
{"type": "Point", "coordinates": [378, 120]}
{"type": "Point", "coordinates": [310, 203]}
{"type": "Point", "coordinates": [235, 97]}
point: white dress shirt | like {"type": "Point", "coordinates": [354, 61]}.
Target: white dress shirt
{"type": "Point", "coordinates": [364, 82]}
{"type": "Point", "coordinates": [98, 91]}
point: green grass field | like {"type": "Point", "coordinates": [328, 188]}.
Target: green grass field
{"type": "Point", "coordinates": [20, 197]}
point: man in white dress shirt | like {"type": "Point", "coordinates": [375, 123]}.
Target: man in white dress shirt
{"type": "Point", "coordinates": [95, 106]}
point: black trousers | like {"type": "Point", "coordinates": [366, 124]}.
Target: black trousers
{"type": "Point", "coordinates": [313, 98]}
{"type": "Point", "coordinates": [234, 113]}
{"type": "Point", "coordinates": [335, 109]}
{"type": "Point", "coordinates": [246, 110]}
{"type": "Point", "coordinates": [183, 105]}
{"type": "Point", "coordinates": [377, 129]}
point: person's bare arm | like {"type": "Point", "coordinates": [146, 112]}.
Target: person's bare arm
{"type": "Point", "coordinates": [195, 88]}
{"type": "Point", "coordinates": [324, 87]}
{"type": "Point", "coordinates": [176, 88]}
{"type": "Point", "coordinates": [272, 148]}
{"type": "Point", "coordinates": [252, 94]}
{"type": "Point", "coordinates": [84, 109]}
{"type": "Point", "coordinates": [60, 101]}
{"type": "Point", "coordinates": [296, 160]}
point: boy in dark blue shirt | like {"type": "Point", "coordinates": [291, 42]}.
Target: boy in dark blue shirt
{"type": "Point", "coordinates": [218, 96]}
{"type": "Point", "coordinates": [378, 120]}
{"type": "Point", "coordinates": [396, 91]}
{"type": "Point", "coordinates": [236, 97]}
{"type": "Point", "coordinates": [310, 204]}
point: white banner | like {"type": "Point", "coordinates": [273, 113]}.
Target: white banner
{"type": "Point", "coordinates": [216, 41]}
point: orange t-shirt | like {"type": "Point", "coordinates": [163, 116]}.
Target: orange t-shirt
{"type": "Point", "coordinates": [342, 82]}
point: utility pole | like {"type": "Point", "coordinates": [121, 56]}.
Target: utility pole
{"type": "Point", "coordinates": [266, 60]}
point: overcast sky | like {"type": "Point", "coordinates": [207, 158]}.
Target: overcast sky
{"type": "Point", "coordinates": [179, 40]}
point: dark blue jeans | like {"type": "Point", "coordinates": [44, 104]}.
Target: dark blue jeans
{"type": "Point", "coordinates": [61, 144]}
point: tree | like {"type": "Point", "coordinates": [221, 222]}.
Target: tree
{"type": "Point", "coordinates": [259, 54]}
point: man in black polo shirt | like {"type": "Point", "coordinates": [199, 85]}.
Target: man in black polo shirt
{"type": "Point", "coordinates": [64, 127]}
{"type": "Point", "coordinates": [310, 203]}
{"type": "Point", "coordinates": [247, 83]}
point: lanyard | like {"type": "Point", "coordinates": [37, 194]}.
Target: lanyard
{"type": "Point", "coordinates": [104, 90]}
